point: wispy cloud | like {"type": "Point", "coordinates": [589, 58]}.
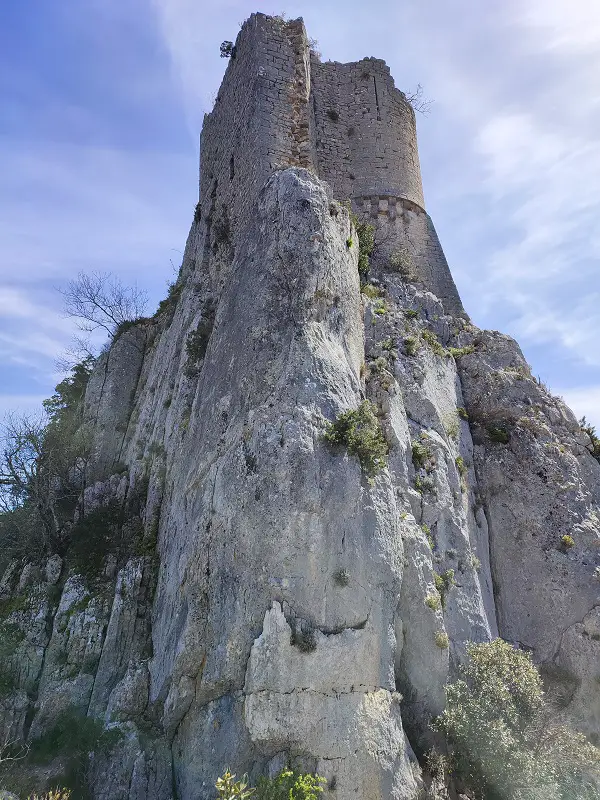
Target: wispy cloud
{"type": "Point", "coordinates": [585, 402]}
{"type": "Point", "coordinates": [103, 174]}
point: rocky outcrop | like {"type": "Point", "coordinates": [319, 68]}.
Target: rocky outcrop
{"type": "Point", "coordinates": [240, 592]}
{"type": "Point", "coordinates": [301, 608]}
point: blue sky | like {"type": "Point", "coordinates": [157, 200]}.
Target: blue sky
{"type": "Point", "coordinates": [102, 104]}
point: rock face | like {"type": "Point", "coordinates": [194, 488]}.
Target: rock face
{"type": "Point", "coordinates": [261, 598]}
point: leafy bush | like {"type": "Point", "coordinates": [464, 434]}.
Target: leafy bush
{"type": "Point", "coordinates": [462, 413]}
{"type": "Point", "coordinates": [441, 639]}
{"type": "Point", "coordinates": [168, 305]}
{"type": "Point", "coordinates": [567, 541]}
{"type": "Point", "coordinates": [401, 262]}
{"type": "Point", "coordinates": [443, 583]}
{"type": "Point", "coordinates": [72, 738]}
{"type": "Point", "coordinates": [360, 432]}
{"type": "Point", "coordinates": [93, 537]}
{"type": "Point", "coordinates": [433, 601]}
{"type": "Point", "coordinates": [504, 741]}
{"type": "Point", "coordinates": [287, 785]}
{"type": "Point", "coordinates": [290, 785]}
{"type": "Point", "coordinates": [457, 352]}
{"type": "Point", "coordinates": [498, 434]}
{"type": "Point", "coordinates": [229, 789]}
{"type": "Point", "coordinates": [461, 466]}
{"type": "Point", "coordinates": [366, 243]}
{"type": "Point", "coordinates": [371, 291]}
{"type": "Point", "coordinates": [420, 454]}
{"type": "Point", "coordinates": [433, 342]}
{"type": "Point", "coordinates": [424, 484]}
{"type": "Point", "coordinates": [411, 346]}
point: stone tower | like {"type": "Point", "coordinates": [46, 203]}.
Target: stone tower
{"type": "Point", "coordinates": [279, 106]}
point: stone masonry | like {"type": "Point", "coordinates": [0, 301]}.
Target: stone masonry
{"type": "Point", "coordinates": [279, 107]}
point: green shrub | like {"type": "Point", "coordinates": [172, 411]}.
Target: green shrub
{"type": "Point", "coordinates": [498, 433]}
{"type": "Point", "coordinates": [433, 601]}
{"type": "Point", "coordinates": [411, 346]}
{"type": "Point", "coordinates": [371, 291]}
{"type": "Point", "coordinates": [411, 313]}
{"type": "Point", "coordinates": [72, 738]}
{"type": "Point", "coordinates": [443, 584]}
{"type": "Point", "coordinates": [462, 413]}
{"type": "Point", "coordinates": [168, 305]}
{"type": "Point", "coordinates": [427, 531]}
{"type": "Point", "coordinates": [360, 432]}
{"type": "Point", "coordinates": [504, 738]}
{"type": "Point", "coordinates": [457, 352]}
{"type": "Point", "coordinates": [127, 325]}
{"type": "Point", "coordinates": [401, 262]}
{"type": "Point", "coordinates": [94, 537]}
{"type": "Point", "coordinates": [290, 785]}
{"type": "Point", "coordinates": [441, 639]}
{"type": "Point", "coordinates": [229, 789]}
{"type": "Point", "coordinates": [461, 467]}
{"type": "Point", "coordinates": [433, 342]}
{"type": "Point", "coordinates": [366, 243]}
{"type": "Point", "coordinates": [72, 734]}
{"type": "Point", "coordinates": [420, 454]}
{"type": "Point", "coordinates": [567, 541]}
{"type": "Point", "coordinates": [424, 484]}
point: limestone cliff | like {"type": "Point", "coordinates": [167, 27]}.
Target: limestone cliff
{"type": "Point", "coordinates": [261, 596]}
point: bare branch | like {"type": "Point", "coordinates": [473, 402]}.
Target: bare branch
{"type": "Point", "coordinates": [417, 101]}
{"type": "Point", "coordinates": [13, 750]}
{"type": "Point", "coordinates": [100, 301]}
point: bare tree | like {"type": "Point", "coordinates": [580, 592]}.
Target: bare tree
{"type": "Point", "coordinates": [12, 750]}
{"type": "Point", "coordinates": [42, 465]}
{"type": "Point", "coordinates": [100, 301]}
{"type": "Point", "coordinates": [20, 478]}
{"type": "Point", "coordinates": [417, 101]}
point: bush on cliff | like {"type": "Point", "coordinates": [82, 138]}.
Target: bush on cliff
{"type": "Point", "coordinates": [366, 242]}
{"type": "Point", "coordinates": [505, 738]}
{"type": "Point", "coordinates": [287, 785]}
{"type": "Point", "coordinates": [360, 432]}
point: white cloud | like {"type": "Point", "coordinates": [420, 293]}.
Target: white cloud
{"type": "Point", "coordinates": [20, 404]}
{"type": "Point", "coordinates": [585, 402]}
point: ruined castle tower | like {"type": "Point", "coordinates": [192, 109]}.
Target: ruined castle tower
{"type": "Point", "coordinates": [279, 107]}
{"type": "Point", "coordinates": [257, 594]}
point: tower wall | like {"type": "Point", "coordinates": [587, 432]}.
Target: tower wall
{"type": "Point", "coordinates": [365, 131]}
{"type": "Point", "coordinates": [259, 122]}
{"type": "Point", "coordinates": [279, 106]}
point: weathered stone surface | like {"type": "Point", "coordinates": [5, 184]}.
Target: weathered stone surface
{"type": "Point", "coordinates": [303, 611]}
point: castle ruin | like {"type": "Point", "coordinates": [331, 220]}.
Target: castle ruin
{"type": "Point", "coordinates": [279, 106]}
